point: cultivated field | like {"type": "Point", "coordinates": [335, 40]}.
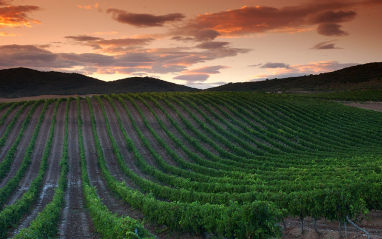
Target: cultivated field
{"type": "Point", "coordinates": [189, 165]}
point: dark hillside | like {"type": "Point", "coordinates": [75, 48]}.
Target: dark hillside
{"type": "Point", "coordinates": [22, 82]}
{"type": "Point", "coordinates": [367, 76]}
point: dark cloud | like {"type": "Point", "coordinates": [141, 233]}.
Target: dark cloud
{"type": "Point", "coordinates": [275, 65]}
{"type": "Point", "coordinates": [180, 38]}
{"type": "Point", "coordinates": [326, 45]}
{"type": "Point", "coordinates": [328, 22]}
{"type": "Point", "coordinates": [29, 56]}
{"type": "Point", "coordinates": [205, 35]}
{"type": "Point", "coordinates": [212, 45]}
{"type": "Point", "coordinates": [150, 61]}
{"type": "Point", "coordinates": [143, 20]}
{"type": "Point", "coordinates": [84, 38]}
{"type": "Point", "coordinates": [16, 16]}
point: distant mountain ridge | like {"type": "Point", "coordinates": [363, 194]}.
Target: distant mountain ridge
{"type": "Point", "coordinates": [359, 77]}
{"type": "Point", "coordinates": [23, 82]}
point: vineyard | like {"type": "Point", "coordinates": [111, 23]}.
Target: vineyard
{"type": "Point", "coordinates": [201, 165]}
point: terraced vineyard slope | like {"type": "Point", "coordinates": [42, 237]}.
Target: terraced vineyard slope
{"type": "Point", "coordinates": [187, 165]}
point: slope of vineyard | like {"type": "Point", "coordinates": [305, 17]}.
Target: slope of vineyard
{"type": "Point", "coordinates": [187, 165]}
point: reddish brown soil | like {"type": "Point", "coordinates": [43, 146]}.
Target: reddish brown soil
{"type": "Point", "coordinates": [15, 131]}
{"type": "Point", "coordinates": [377, 106]}
{"type": "Point", "coordinates": [20, 152]}
{"type": "Point", "coordinates": [330, 229]}
{"type": "Point", "coordinates": [76, 221]}
{"type": "Point", "coordinates": [38, 151]}
{"type": "Point", "coordinates": [53, 171]}
{"type": "Point", "coordinates": [8, 119]}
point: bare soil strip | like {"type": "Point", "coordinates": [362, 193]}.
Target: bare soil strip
{"type": "Point", "coordinates": [107, 147]}
{"type": "Point", "coordinates": [76, 221]}
{"type": "Point", "coordinates": [173, 130]}
{"type": "Point", "coordinates": [114, 205]}
{"type": "Point", "coordinates": [8, 120]}
{"type": "Point", "coordinates": [53, 171]}
{"type": "Point", "coordinates": [145, 131]}
{"type": "Point", "coordinates": [175, 116]}
{"type": "Point", "coordinates": [23, 145]}
{"type": "Point", "coordinates": [154, 124]}
{"type": "Point", "coordinates": [134, 137]}
{"type": "Point", "coordinates": [330, 230]}
{"type": "Point", "coordinates": [376, 106]}
{"type": "Point", "coordinates": [36, 157]}
{"type": "Point", "coordinates": [16, 129]}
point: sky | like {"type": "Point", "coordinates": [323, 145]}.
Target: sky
{"type": "Point", "coordinates": [199, 43]}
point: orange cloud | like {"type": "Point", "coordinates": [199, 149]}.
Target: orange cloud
{"type": "Point", "coordinates": [4, 34]}
{"type": "Point", "coordinates": [327, 17]}
{"type": "Point", "coordinates": [17, 16]}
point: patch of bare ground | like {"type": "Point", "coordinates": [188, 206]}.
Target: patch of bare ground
{"type": "Point", "coordinates": [76, 221]}
{"type": "Point", "coordinates": [53, 171]}
{"type": "Point", "coordinates": [376, 106]}
{"type": "Point", "coordinates": [15, 131]}
{"type": "Point", "coordinates": [330, 230]}
{"type": "Point", "coordinates": [21, 149]}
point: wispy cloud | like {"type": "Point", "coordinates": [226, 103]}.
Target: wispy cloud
{"type": "Point", "coordinates": [326, 45]}
{"type": "Point", "coordinates": [303, 69]}
{"type": "Point", "coordinates": [199, 74]}
{"type": "Point", "coordinates": [275, 65]}
{"type": "Point", "coordinates": [143, 20]}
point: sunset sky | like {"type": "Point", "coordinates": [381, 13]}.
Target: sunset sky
{"type": "Point", "coordinates": [199, 43]}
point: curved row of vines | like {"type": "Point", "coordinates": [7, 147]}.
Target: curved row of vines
{"type": "Point", "coordinates": [231, 165]}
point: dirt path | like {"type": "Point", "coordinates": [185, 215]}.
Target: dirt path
{"type": "Point", "coordinates": [15, 131]}
{"type": "Point", "coordinates": [114, 205]}
{"type": "Point", "coordinates": [53, 171]}
{"type": "Point", "coordinates": [134, 137]}
{"type": "Point", "coordinates": [21, 149]}
{"type": "Point", "coordinates": [330, 230]}
{"type": "Point", "coordinates": [8, 119]}
{"type": "Point", "coordinates": [36, 157]}
{"type": "Point", "coordinates": [76, 221]}
{"type": "Point", "coordinates": [107, 147]}
{"type": "Point", "coordinates": [376, 106]}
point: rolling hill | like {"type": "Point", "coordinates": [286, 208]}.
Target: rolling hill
{"type": "Point", "coordinates": [360, 77]}
{"type": "Point", "coordinates": [21, 82]}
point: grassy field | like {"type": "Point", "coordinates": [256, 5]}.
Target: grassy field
{"type": "Point", "coordinates": [188, 165]}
